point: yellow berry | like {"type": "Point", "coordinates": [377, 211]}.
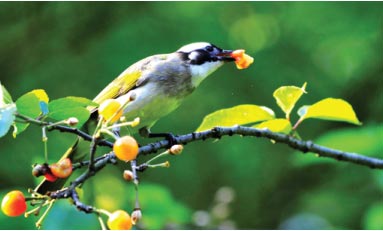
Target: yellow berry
{"type": "Point", "coordinates": [126, 148]}
{"type": "Point", "coordinates": [119, 220]}
{"type": "Point", "coordinates": [110, 110]}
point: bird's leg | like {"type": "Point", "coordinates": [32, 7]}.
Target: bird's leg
{"type": "Point", "coordinates": [172, 139]}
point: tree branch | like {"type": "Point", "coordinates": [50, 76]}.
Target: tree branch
{"type": "Point", "coordinates": [301, 145]}
{"type": "Point", "coordinates": [80, 133]}
{"type": "Point", "coordinates": [215, 133]}
{"type": "Point", "coordinates": [218, 132]}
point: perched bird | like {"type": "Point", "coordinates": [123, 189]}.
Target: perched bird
{"type": "Point", "coordinates": [159, 84]}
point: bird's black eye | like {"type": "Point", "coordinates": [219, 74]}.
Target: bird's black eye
{"type": "Point", "coordinates": [209, 48]}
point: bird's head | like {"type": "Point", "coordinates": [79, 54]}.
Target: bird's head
{"type": "Point", "coordinates": [203, 58]}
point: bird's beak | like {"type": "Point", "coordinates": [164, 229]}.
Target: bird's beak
{"type": "Point", "coordinates": [225, 55]}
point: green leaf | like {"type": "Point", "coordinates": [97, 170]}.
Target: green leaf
{"type": "Point", "coordinates": [80, 101]}
{"type": "Point", "coordinates": [27, 105]}
{"type": "Point", "coordinates": [64, 108]}
{"type": "Point", "coordinates": [7, 118]}
{"type": "Point", "coordinates": [330, 109]}
{"type": "Point", "coordinates": [276, 125]}
{"type": "Point", "coordinates": [43, 100]}
{"type": "Point", "coordinates": [238, 115]}
{"type": "Point", "coordinates": [287, 96]}
{"type": "Point", "coordinates": [81, 113]}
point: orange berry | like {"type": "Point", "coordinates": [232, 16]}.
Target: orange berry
{"type": "Point", "coordinates": [119, 220]}
{"type": "Point", "coordinates": [126, 148]}
{"type": "Point", "coordinates": [14, 204]}
{"type": "Point", "coordinates": [242, 60]}
{"type": "Point", "coordinates": [245, 62]}
{"type": "Point", "coordinates": [237, 53]}
{"type": "Point", "coordinates": [110, 110]}
{"type": "Point", "coordinates": [62, 169]}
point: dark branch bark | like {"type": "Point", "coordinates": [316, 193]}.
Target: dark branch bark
{"type": "Point", "coordinates": [218, 132]}
{"type": "Point", "coordinates": [301, 145]}
{"type": "Point", "coordinates": [80, 133]}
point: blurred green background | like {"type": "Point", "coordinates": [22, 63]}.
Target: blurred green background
{"type": "Point", "coordinates": [76, 48]}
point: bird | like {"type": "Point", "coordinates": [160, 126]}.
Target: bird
{"type": "Point", "coordinates": [159, 84]}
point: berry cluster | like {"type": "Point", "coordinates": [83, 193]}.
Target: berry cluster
{"type": "Point", "coordinates": [61, 169]}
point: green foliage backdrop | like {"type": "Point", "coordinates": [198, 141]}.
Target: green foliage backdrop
{"type": "Point", "coordinates": [76, 48]}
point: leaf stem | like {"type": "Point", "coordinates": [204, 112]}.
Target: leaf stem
{"type": "Point", "coordinates": [297, 124]}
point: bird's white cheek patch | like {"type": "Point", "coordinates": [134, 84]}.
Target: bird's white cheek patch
{"type": "Point", "coordinates": [193, 55]}
{"type": "Point", "coordinates": [200, 72]}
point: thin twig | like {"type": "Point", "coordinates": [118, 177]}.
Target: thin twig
{"type": "Point", "coordinates": [62, 128]}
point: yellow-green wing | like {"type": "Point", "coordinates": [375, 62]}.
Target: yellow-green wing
{"type": "Point", "coordinates": [130, 78]}
{"type": "Point", "coordinates": [121, 85]}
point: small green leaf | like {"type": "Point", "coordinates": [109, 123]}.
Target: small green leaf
{"type": "Point", "coordinates": [64, 108]}
{"type": "Point", "coordinates": [287, 96]}
{"type": "Point", "coordinates": [330, 109]}
{"type": "Point", "coordinates": [276, 125]}
{"type": "Point", "coordinates": [238, 115]}
{"type": "Point", "coordinates": [81, 113]}
{"type": "Point", "coordinates": [27, 105]}
{"type": "Point", "coordinates": [43, 100]}
{"type": "Point", "coordinates": [7, 118]}
{"type": "Point", "coordinates": [80, 101]}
